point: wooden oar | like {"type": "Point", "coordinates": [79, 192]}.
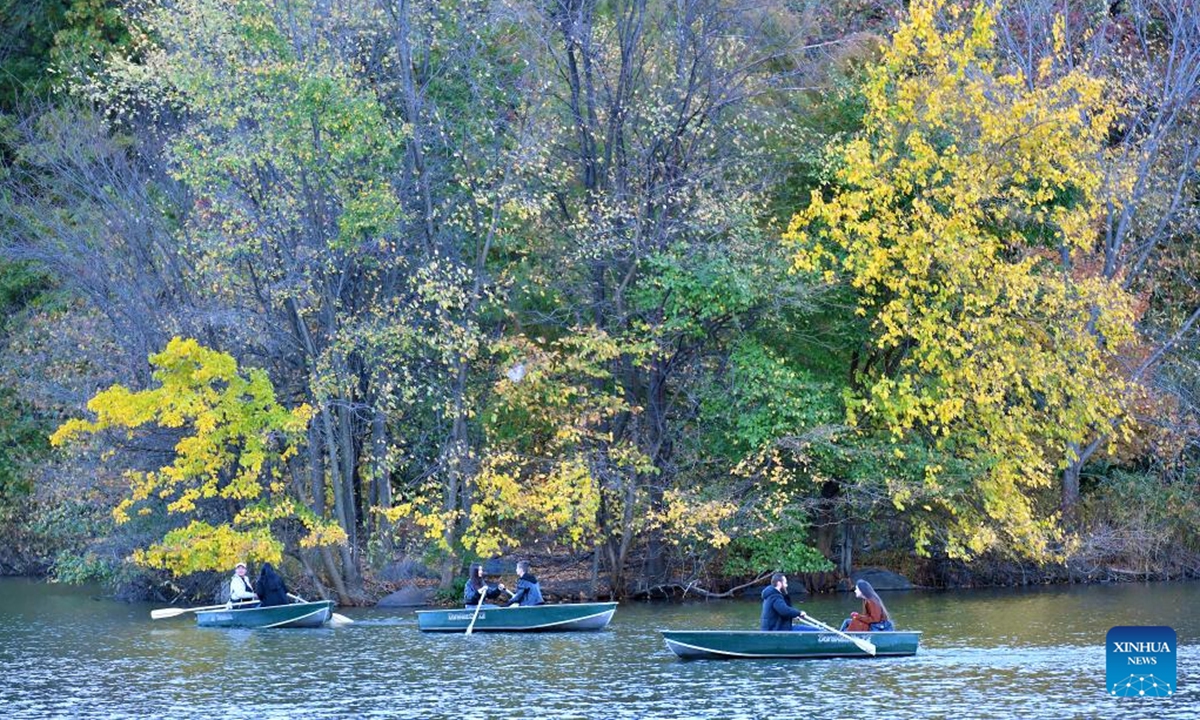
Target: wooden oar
{"type": "Point", "coordinates": [863, 645]}
{"type": "Point", "coordinates": [334, 618]}
{"type": "Point", "coordinates": [482, 595]}
{"type": "Point", "coordinates": [161, 613]}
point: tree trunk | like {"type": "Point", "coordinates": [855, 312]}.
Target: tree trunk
{"type": "Point", "coordinates": [311, 573]}
{"type": "Point", "coordinates": [381, 481]}
{"type": "Point", "coordinates": [1070, 488]}
{"type": "Point", "coordinates": [341, 510]}
{"type": "Point", "coordinates": [349, 491]}
{"type": "Point", "coordinates": [595, 579]}
{"type": "Point", "coordinates": [659, 451]}
{"type": "Point", "coordinates": [454, 462]}
{"type": "Point", "coordinates": [316, 471]}
{"type": "Point", "coordinates": [413, 100]}
{"type": "Point", "coordinates": [335, 575]}
{"type": "Point", "coordinates": [846, 561]}
{"type": "Point", "coordinates": [827, 517]}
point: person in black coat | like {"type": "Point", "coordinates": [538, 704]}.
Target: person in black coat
{"type": "Point", "coordinates": [271, 589]}
{"type": "Point", "coordinates": [777, 610]}
{"type": "Point", "coordinates": [477, 588]}
{"type": "Point", "coordinates": [529, 592]}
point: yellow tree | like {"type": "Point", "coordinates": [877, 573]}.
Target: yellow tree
{"type": "Point", "coordinates": [236, 439]}
{"type": "Point", "coordinates": [964, 215]}
{"type": "Point", "coordinates": [551, 454]}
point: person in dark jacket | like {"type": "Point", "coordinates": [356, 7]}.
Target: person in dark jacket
{"type": "Point", "coordinates": [874, 616]}
{"type": "Point", "coordinates": [528, 591]}
{"type": "Point", "coordinates": [476, 587]}
{"type": "Point", "coordinates": [777, 610]}
{"type": "Point", "coordinates": [271, 589]}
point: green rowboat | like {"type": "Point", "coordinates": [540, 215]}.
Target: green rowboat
{"type": "Point", "coordinates": [295, 615]}
{"type": "Point", "coordinates": [750, 644]}
{"type": "Point", "coordinates": [538, 618]}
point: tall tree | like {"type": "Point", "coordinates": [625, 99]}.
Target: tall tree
{"type": "Point", "coordinates": [964, 216]}
{"type": "Point", "coordinates": [234, 445]}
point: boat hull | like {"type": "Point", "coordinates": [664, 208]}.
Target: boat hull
{"type": "Point", "coordinates": [539, 618]}
{"type": "Point", "coordinates": [295, 615]}
{"type": "Point", "coordinates": [755, 644]}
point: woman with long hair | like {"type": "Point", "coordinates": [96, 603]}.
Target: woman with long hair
{"type": "Point", "coordinates": [476, 586]}
{"type": "Point", "coordinates": [271, 588]}
{"type": "Point", "coordinates": [874, 616]}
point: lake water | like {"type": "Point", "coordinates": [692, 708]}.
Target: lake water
{"type": "Point", "coordinates": [65, 652]}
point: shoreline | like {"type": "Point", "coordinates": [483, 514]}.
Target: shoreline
{"type": "Point", "coordinates": [555, 591]}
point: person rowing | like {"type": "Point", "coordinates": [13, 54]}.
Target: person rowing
{"type": "Point", "coordinates": [477, 588]}
{"type": "Point", "coordinates": [240, 589]}
{"type": "Point", "coordinates": [777, 610]}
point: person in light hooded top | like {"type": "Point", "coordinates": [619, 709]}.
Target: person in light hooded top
{"type": "Point", "coordinates": [240, 589]}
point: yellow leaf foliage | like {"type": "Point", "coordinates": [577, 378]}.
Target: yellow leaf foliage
{"type": "Point", "coordinates": [236, 436]}
{"type": "Point", "coordinates": [547, 419]}
{"type": "Point", "coordinates": [689, 519]}
{"type": "Point", "coordinates": [200, 546]}
{"type": "Point", "coordinates": [965, 216]}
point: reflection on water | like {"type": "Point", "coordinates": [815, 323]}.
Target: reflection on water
{"type": "Point", "coordinates": [984, 654]}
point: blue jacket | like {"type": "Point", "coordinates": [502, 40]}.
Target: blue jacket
{"type": "Point", "coordinates": [528, 591]}
{"type": "Point", "coordinates": [777, 610]}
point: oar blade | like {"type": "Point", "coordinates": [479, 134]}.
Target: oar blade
{"type": "Point", "coordinates": [163, 613]}
{"type": "Point", "coordinates": [865, 645]}
{"type": "Point", "coordinates": [337, 619]}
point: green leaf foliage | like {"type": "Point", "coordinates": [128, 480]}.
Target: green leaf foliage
{"type": "Point", "coordinates": [783, 549]}
{"type": "Point", "coordinates": [766, 397]}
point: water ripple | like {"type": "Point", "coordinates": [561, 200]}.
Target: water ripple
{"type": "Point", "coordinates": [983, 656]}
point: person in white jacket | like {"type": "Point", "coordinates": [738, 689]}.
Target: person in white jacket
{"type": "Point", "coordinates": [240, 589]}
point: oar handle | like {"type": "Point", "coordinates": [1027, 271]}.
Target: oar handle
{"type": "Point", "coordinates": [162, 613]}
{"type": "Point", "coordinates": [482, 597]}
{"type": "Point", "coordinates": [864, 645]}
{"type": "Point", "coordinates": [810, 619]}
{"type": "Point", "coordinates": [335, 618]}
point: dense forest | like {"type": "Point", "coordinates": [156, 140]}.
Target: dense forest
{"type": "Point", "coordinates": [681, 291]}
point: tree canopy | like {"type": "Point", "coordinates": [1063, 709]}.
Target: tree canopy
{"type": "Point", "coordinates": [677, 291]}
